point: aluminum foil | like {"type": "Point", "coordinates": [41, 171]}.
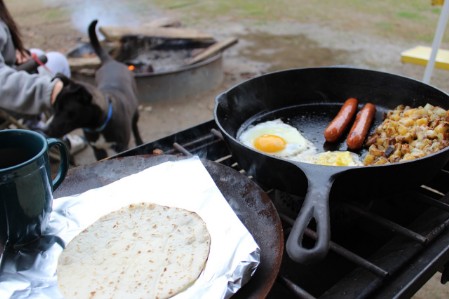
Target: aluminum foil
{"type": "Point", "coordinates": [234, 255]}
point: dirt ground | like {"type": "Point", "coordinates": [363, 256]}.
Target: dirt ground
{"type": "Point", "coordinates": [272, 36]}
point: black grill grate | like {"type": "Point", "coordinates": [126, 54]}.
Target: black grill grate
{"type": "Point", "coordinates": [381, 247]}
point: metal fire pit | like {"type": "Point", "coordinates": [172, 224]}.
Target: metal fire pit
{"type": "Point", "coordinates": [160, 67]}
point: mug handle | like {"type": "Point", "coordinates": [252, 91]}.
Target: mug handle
{"type": "Point", "coordinates": [64, 163]}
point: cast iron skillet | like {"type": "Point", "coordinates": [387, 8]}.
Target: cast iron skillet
{"type": "Point", "coordinates": [308, 99]}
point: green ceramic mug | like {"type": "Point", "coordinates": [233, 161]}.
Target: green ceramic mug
{"type": "Point", "coordinates": [26, 185]}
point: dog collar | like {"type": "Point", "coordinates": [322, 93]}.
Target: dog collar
{"type": "Point", "coordinates": [105, 123]}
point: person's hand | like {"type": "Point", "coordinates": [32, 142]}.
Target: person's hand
{"type": "Point", "coordinates": [56, 90]}
{"type": "Point", "coordinates": [22, 57]}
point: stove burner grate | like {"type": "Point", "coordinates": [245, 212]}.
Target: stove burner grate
{"type": "Point", "coordinates": [380, 248]}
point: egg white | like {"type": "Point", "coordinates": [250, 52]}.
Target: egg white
{"type": "Point", "coordinates": [295, 142]}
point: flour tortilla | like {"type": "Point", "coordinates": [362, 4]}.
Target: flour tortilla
{"type": "Point", "coordinates": [140, 251]}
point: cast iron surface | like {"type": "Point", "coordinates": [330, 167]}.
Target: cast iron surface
{"type": "Point", "coordinates": [308, 99]}
{"type": "Point", "coordinates": [250, 203]}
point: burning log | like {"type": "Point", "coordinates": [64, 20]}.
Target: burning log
{"type": "Point", "coordinates": [212, 50]}
{"type": "Point", "coordinates": [113, 33]}
{"type": "Point", "coordinates": [164, 22]}
{"type": "Point", "coordinates": [79, 63]}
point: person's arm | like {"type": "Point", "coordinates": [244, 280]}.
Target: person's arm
{"type": "Point", "coordinates": [20, 92]}
{"type": "Point", "coordinates": [26, 94]}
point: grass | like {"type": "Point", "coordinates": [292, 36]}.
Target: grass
{"type": "Point", "coordinates": [50, 13]}
{"type": "Point", "coordinates": [411, 19]}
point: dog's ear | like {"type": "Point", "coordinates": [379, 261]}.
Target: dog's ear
{"type": "Point", "coordinates": [75, 90]}
{"type": "Point", "coordinates": [84, 95]}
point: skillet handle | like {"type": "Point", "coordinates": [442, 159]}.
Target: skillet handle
{"type": "Point", "coordinates": [316, 207]}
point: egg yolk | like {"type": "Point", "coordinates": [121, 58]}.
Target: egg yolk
{"type": "Point", "coordinates": [269, 143]}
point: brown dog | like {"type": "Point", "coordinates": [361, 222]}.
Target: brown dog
{"type": "Point", "coordinates": [109, 109]}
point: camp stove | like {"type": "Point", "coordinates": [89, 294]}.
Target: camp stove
{"type": "Point", "coordinates": [386, 247]}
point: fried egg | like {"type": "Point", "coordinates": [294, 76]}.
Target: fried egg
{"type": "Point", "coordinates": [276, 138]}
{"type": "Point", "coordinates": [336, 158]}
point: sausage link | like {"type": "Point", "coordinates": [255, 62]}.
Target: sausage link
{"type": "Point", "coordinates": [341, 121]}
{"type": "Point", "coordinates": [360, 128]}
